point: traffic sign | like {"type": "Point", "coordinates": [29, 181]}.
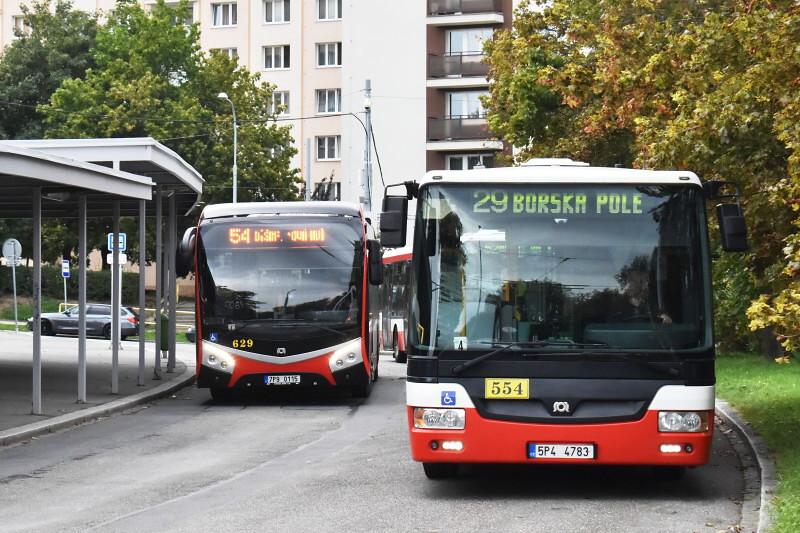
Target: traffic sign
{"type": "Point", "coordinates": [12, 250]}
{"type": "Point", "coordinates": [123, 242]}
{"type": "Point", "coordinates": [65, 268]}
{"type": "Point", "coordinates": [123, 258]}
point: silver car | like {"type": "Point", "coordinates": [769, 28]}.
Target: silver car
{"type": "Point", "coordinates": [98, 321]}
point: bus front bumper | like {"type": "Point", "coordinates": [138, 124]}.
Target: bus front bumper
{"type": "Point", "coordinates": [496, 441]}
{"type": "Point", "coordinates": [252, 375]}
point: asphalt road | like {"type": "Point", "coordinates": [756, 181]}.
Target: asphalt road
{"type": "Point", "coordinates": [329, 463]}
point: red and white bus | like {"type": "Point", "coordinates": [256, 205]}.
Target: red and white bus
{"type": "Point", "coordinates": [394, 314]}
{"type": "Point", "coordinates": [560, 313]}
{"type": "Point", "coordinates": [285, 296]}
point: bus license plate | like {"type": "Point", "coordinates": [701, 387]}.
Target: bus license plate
{"type": "Point", "coordinates": [282, 380]}
{"type": "Point", "coordinates": [560, 451]}
{"type": "Point", "coordinates": [508, 389]}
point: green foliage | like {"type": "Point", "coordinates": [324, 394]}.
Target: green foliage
{"type": "Point", "coordinates": [36, 63]}
{"type": "Point", "coordinates": [151, 78]}
{"type": "Point", "coordinates": [706, 85]}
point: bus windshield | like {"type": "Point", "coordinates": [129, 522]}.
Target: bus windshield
{"type": "Point", "coordinates": [279, 282]}
{"type": "Point", "coordinates": [563, 267]}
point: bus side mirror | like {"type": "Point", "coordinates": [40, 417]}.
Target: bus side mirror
{"type": "Point", "coordinates": [184, 260]}
{"type": "Point", "coordinates": [393, 221]}
{"type": "Point", "coordinates": [732, 227]}
{"type": "Point", "coordinates": [375, 263]}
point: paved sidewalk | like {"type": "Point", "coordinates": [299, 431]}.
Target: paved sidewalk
{"type": "Point", "coordinates": [60, 375]}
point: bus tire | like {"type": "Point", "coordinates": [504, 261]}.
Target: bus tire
{"type": "Point", "coordinates": [669, 473]}
{"type": "Point", "coordinates": [362, 391]}
{"type": "Point", "coordinates": [221, 394]}
{"type": "Point", "coordinates": [440, 470]}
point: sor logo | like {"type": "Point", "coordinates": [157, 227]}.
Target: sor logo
{"type": "Point", "coordinates": [561, 408]}
{"type": "Point", "coordinates": [280, 351]}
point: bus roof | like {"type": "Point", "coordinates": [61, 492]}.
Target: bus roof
{"type": "Point", "coordinates": [560, 172]}
{"type": "Point", "coordinates": [281, 208]}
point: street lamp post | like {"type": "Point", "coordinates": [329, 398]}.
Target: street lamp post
{"type": "Point", "coordinates": [224, 96]}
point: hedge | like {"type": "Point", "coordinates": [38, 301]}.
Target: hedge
{"type": "Point", "coordinates": [98, 284]}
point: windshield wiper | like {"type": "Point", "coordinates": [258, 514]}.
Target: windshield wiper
{"type": "Point", "coordinates": [478, 360]}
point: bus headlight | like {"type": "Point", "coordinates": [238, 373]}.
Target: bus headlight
{"type": "Point", "coordinates": [682, 421]}
{"type": "Point", "coordinates": [429, 418]}
{"type": "Point", "coordinates": [217, 358]}
{"type": "Point", "coordinates": [346, 356]}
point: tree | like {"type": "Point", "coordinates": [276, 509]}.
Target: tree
{"type": "Point", "coordinates": [701, 85]}
{"type": "Point", "coordinates": [56, 48]}
{"type": "Point", "coordinates": [150, 78]}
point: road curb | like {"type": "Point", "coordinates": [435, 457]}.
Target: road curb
{"type": "Point", "coordinates": [763, 462]}
{"type": "Point", "coordinates": [51, 425]}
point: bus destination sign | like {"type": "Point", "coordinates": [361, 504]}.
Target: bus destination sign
{"type": "Point", "coordinates": [579, 203]}
{"type": "Point", "coordinates": [259, 236]}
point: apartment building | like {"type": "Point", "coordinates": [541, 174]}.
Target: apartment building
{"type": "Point", "coordinates": [423, 57]}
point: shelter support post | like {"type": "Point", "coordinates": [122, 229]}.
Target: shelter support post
{"type": "Point", "coordinates": [159, 280]}
{"type": "Point", "coordinates": [115, 301]}
{"type": "Point", "coordinates": [37, 302]}
{"type": "Point", "coordinates": [142, 264]}
{"type": "Point", "coordinates": [173, 286]}
{"type": "Point", "coordinates": [82, 299]}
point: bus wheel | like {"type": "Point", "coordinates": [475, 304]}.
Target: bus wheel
{"type": "Point", "coordinates": [221, 394]}
{"type": "Point", "coordinates": [440, 470]}
{"type": "Point", "coordinates": [397, 355]}
{"type": "Point", "coordinates": [669, 473]}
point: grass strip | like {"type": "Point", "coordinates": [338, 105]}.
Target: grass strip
{"type": "Point", "coordinates": [768, 396]}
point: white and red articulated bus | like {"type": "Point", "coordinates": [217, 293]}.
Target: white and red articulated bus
{"type": "Point", "coordinates": [285, 295]}
{"type": "Point", "coordinates": [394, 312]}
{"type": "Point", "coordinates": [560, 313]}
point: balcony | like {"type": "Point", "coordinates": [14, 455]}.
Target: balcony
{"type": "Point", "coordinates": [463, 65]}
{"type": "Point", "coordinates": [460, 133]}
{"type": "Point", "coordinates": [459, 12]}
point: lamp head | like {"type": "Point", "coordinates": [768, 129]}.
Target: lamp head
{"type": "Point", "coordinates": [223, 96]}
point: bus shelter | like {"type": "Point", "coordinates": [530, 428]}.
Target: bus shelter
{"type": "Point", "coordinates": [85, 178]}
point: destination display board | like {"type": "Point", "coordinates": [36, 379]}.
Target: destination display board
{"type": "Point", "coordinates": [260, 236]}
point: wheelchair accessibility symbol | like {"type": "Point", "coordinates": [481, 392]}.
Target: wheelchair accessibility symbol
{"type": "Point", "coordinates": [214, 337]}
{"type": "Point", "coordinates": [448, 397]}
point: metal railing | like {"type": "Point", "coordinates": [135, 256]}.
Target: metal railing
{"type": "Point", "coordinates": [457, 128]}
{"type": "Point", "coordinates": [452, 7]}
{"type": "Point", "coordinates": [470, 64]}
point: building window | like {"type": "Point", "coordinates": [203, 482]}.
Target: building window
{"type": "Point", "coordinates": [329, 100]}
{"type": "Point", "coordinates": [465, 104]}
{"type": "Point", "coordinates": [329, 54]}
{"type": "Point", "coordinates": [328, 147]}
{"type": "Point", "coordinates": [466, 41]}
{"type": "Point", "coordinates": [469, 161]}
{"type": "Point", "coordinates": [223, 15]}
{"type": "Point", "coordinates": [20, 26]}
{"type": "Point", "coordinates": [276, 57]}
{"type": "Point", "coordinates": [276, 11]}
{"type": "Point", "coordinates": [232, 53]}
{"type": "Point", "coordinates": [279, 105]}
{"type": "Point", "coordinates": [329, 9]}
{"type": "Point", "coordinates": [189, 20]}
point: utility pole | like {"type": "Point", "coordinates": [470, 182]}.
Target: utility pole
{"type": "Point", "coordinates": [366, 176]}
{"type": "Point", "coordinates": [224, 96]}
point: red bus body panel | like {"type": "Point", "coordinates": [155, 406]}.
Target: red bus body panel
{"type": "Point", "coordinates": [620, 443]}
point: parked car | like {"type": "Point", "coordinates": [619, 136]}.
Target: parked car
{"type": "Point", "coordinates": [190, 334]}
{"type": "Point", "coordinates": [98, 321]}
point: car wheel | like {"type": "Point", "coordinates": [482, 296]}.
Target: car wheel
{"type": "Point", "coordinates": [107, 331]}
{"type": "Point", "coordinates": [47, 328]}
{"type": "Point", "coordinates": [440, 470]}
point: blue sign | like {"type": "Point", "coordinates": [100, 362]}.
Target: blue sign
{"type": "Point", "coordinates": [123, 242]}
{"type": "Point", "coordinates": [448, 397]}
{"type": "Point", "coordinates": [65, 268]}
{"type": "Point", "coordinates": [213, 336]}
